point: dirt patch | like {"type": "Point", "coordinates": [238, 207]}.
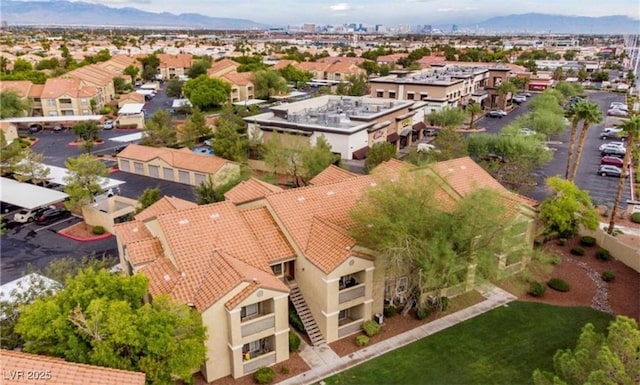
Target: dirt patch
{"type": "Point", "coordinates": [82, 231]}
{"type": "Point", "coordinates": [399, 324]}
{"type": "Point", "coordinates": [293, 366]}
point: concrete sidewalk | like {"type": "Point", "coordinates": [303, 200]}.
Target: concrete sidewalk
{"type": "Point", "coordinates": [324, 362]}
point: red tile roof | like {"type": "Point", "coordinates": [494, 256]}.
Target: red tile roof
{"type": "Point", "coordinates": [164, 205]}
{"type": "Point", "coordinates": [238, 78]}
{"type": "Point", "coordinates": [328, 245]}
{"type": "Point", "coordinates": [332, 174]}
{"type": "Point", "coordinates": [186, 160]}
{"type": "Point", "coordinates": [16, 366]}
{"type": "Point", "coordinates": [20, 87]}
{"type": "Point", "coordinates": [144, 251]}
{"type": "Point", "coordinates": [272, 242]}
{"type": "Point", "coordinates": [250, 190]}
{"type": "Point", "coordinates": [128, 232]}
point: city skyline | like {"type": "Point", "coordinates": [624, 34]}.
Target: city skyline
{"type": "Point", "coordinates": [375, 11]}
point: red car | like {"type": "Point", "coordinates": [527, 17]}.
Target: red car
{"type": "Point", "coordinates": [611, 160]}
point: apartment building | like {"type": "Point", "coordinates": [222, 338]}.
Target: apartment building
{"type": "Point", "coordinates": [350, 124]}
{"type": "Point", "coordinates": [174, 66]}
{"type": "Point", "coordinates": [242, 88]}
{"type": "Point", "coordinates": [65, 97]}
{"type": "Point", "coordinates": [118, 63]}
{"type": "Point", "coordinates": [96, 76]}
{"type": "Point", "coordinates": [239, 262]}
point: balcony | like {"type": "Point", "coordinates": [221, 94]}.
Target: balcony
{"type": "Point", "coordinates": [65, 106]}
{"type": "Point", "coordinates": [351, 293]}
{"type": "Point", "coordinates": [258, 324]}
{"type": "Point", "coordinates": [349, 327]}
{"type": "Point", "coordinates": [266, 359]}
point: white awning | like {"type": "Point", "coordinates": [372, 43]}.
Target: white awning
{"type": "Point", "coordinates": [52, 119]}
{"type": "Point", "coordinates": [249, 102]}
{"type": "Point", "coordinates": [58, 174]}
{"type": "Point", "coordinates": [131, 108]}
{"type": "Point", "coordinates": [28, 196]}
{"type": "Point", "coordinates": [145, 92]}
{"type": "Point", "coordinates": [177, 103]}
{"type": "Point", "coordinates": [127, 138]}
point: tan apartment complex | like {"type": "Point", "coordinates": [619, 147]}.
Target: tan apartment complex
{"type": "Point", "coordinates": [174, 66]}
{"type": "Point", "coordinates": [239, 262]}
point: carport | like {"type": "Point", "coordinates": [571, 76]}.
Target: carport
{"type": "Point", "coordinates": [28, 196]}
{"type": "Point", "coordinates": [58, 175]}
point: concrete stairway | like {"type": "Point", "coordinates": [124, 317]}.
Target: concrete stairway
{"type": "Point", "coordinates": [305, 315]}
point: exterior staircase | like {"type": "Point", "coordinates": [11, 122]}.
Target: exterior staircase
{"type": "Point", "coordinates": [305, 315]}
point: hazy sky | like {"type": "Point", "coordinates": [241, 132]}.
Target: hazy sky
{"type": "Point", "coordinates": [390, 12]}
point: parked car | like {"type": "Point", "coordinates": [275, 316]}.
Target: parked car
{"type": "Point", "coordinates": [203, 150]}
{"type": "Point", "coordinates": [612, 129]}
{"type": "Point", "coordinates": [430, 132]}
{"type": "Point", "coordinates": [612, 161]}
{"type": "Point", "coordinates": [607, 170]}
{"type": "Point", "coordinates": [108, 125]}
{"type": "Point", "coordinates": [106, 194]}
{"type": "Point", "coordinates": [35, 127]}
{"type": "Point", "coordinates": [519, 99]}
{"type": "Point", "coordinates": [527, 94]}
{"type": "Point", "coordinates": [619, 106]}
{"type": "Point", "coordinates": [617, 112]}
{"type": "Point", "coordinates": [51, 215]}
{"type": "Point", "coordinates": [7, 207]}
{"type": "Point", "coordinates": [491, 157]}
{"type": "Point", "coordinates": [604, 135]}
{"type": "Point", "coordinates": [58, 128]}
{"type": "Point", "coordinates": [610, 144]}
{"type": "Point", "coordinates": [614, 151]}
{"type": "Point", "coordinates": [496, 114]}
{"type": "Point", "coordinates": [30, 215]}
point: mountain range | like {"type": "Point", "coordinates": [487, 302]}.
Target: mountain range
{"type": "Point", "coordinates": [79, 14]}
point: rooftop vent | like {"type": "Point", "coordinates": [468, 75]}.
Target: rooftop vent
{"type": "Point", "coordinates": [373, 184]}
{"type": "Point", "coordinates": [329, 193]}
{"type": "Point", "coordinates": [183, 221]}
{"type": "Point", "coordinates": [167, 277]}
{"type": "Point", "coordinates": [214, 216]}
{"type": "Point", "coordinates": [135, 230]}
{"type": "Point", "coordinates": [300, 199]}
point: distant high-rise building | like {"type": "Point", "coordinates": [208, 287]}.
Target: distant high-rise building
{"type": "Point", "coordinates": [307, 27]}
{"type": "Point", "coordinates": [454, 28]}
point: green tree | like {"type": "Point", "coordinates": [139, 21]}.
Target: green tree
{"type": "Point", "coordinates": [10, 154]}
{"type": "Point", "coordinates": [228, 143]}
{"type": "Point", "coordinates": [103, 55]}
{"type": "Point", "coordinates": [447, 117]}
{"type": "Point", "coordinates": [569, 89]}
{"type": "Point", "coordinates": [148, 197]}
{"type": "Point", "coordinates": [103, 319]}
{"type": "Point", "coordinates": [150, 64]}
{"type": "Point", "coordinates": [567, 209]}
{"type": "Point", "coordinates": [206, 93]}
{"type": "Point", "coordinates": [378, 153]}
{"type": "Point", "coordinates": [371, 67]}
{"type": "Point", "coordinates": [505, 90]}
{"type": "Point", "coordinates": [316, 158]}
{"type": "Point", "coordinates": [120, 85]}
{"type": "Point", "coordinates": [598, 359]}
{"type": "Point", "coordinates": [391, 218]}
{"type": "Point", "coordinates": [12, 105]}
{"type": "Point", "coordinates": [631, 128]}
{"type": "Point", "coordinates": [558, 74]}
{"type": "Point", "coordinates": [83, 180]}
{"type": "Point", "coordinates": [599, 76]}
{"type": "Point", "coordinates": [132, 71]}
{"type": "Point", "coordinates": [206, 192]}
{"type": "Point", "coordinates": [173, 88]}
{"type": "Point", "coordinates": [159, 131]}
{"type": "Point", "coordinates": [31, 168]}
{"type": "Point", "coordinates": [574, 119]}
{"type": "Point", "coordinates": [199, 67]}
{"type": "Point", "coordinates": [87, 132]}
{"type": "Point", "coordinates": [450, 144]}
{"type": "Point", "coordinates": [298, 78]}
{"type": "Point", "coordinates": [21, 65]}
{"type": "Point", "coordinates": [546, 123]}
{"type": "Point", "coordinates": [355, 85]}
{"type": "Point", "coordinates": [269, 83]}
{"type": "Point", "coordinates": [195, 127]}
{"type": "Point", "coordinates": [473, 110]}
{"type": "Point", "coordinates": [582, 74]}
{"type": "Point", "coordinates": [589, 113]}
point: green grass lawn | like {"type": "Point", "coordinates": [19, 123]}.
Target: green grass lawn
{"type": "Point", "coordinates": [503, 346]}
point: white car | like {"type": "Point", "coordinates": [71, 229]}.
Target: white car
{"type": "Point", "coordinates": [106, 194]}
{"type": "Point", "coordinates": [619, 106]}
{"type": "Point", "coordinates": [611, 144]}
{"type": "Point", "coordinates": [29, 215]}
{"type": "Point", "coordinates": [108, 125]}
{"type": "Point", "coordinates": [614, 130]}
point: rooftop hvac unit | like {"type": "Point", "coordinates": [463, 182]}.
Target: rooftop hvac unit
{"type": "Point", "coordinates": [322, 118]}
{"type": "Point", "coordinates": [333, 120]}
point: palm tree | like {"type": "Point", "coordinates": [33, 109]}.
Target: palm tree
{"type": "Point", "coordinates": [589, 113]}
{"type": "Point", "coordinates": [575, 119]}
{"type": "Point", "coordinates": [473, 110]}
{"type": "Point", "coordinates": [632, 129]}
{"type": "Point", "coordinates": [504, 90]}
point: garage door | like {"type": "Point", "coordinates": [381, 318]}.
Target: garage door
{"type": "Point", "coordinates": [138, 168]}
{"type": "Point", "coordinates": [125, 165]}
{"type": "Point", "coordinates": [183, 176]}
{"type": "Point", "coordinates": [154, 171]}
{"type": "Point", "coordinates": [200, 178]}
{"type": "Point", "coordinates": [167, 173]}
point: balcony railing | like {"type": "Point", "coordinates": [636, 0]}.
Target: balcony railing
{"type": "Point", "coordinates": [254, 364]}
{"type": "Point", "coordinates": [351, 293]}
{"type": "Point", "coordinates": [258, 324]}
{"type": "Point", "coordinates": [350, 328]}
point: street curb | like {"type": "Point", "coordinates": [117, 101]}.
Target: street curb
{"type": "Point", "coordinates": [92, 239]}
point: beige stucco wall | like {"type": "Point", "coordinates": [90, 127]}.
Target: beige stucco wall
{"type": "Point", "coordinates": [224, 342]}
{"type": "Point", "coordinates": [136, 119]}
{"type": "Point", "coordinates": [104, 212]}
{"type": "Point", "coordinates": [626, 253]}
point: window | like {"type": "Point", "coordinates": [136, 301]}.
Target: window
{"type": "Point", "coordinates": [392, 94]}
{"type": "Point", "coordinates": [84, 101]}
{"type": "Point", "coordinates": [410, 96]}
{"type": "Point", "coordinates": [344, 314]}
{"type": "Point", "coordinates": [251, 347]}
{"type": "Point", "coordinates": [380, 94]}
{"type": "Point", "coordinates": [51, 102]}
{"type": "Point", "coordinates": [65, 101]}
{"type": "Point", "coordinates": [249, 311]}
{"type": "Point", "coordinates": [277, 269]}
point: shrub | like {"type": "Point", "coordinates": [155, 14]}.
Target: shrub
{"type": "Point", "coordinates": [587, 241]}
{"type": "Point", "coordinates": [370, 328]}
{"type": "Point", "coordinates": [389, 311]}
{"type": "Point", "coordinates": [608, 276]}
{"type": "Point", "coordinates": [558, 285]}
{"type": "Point", "coordinates": [536, 289]}
{"type": "Point", "coordinates": [555, 260]}
{"type": "Point", "coordinates": [294, 319]}
{"type": "Point", "coordinates": [563, 241]}
{"type": "Point", "coordinates": [577, 250]}
{"type": "Point", "coordinates": [98, 230]}
{"type": "Point", "coordinates": [284, 370]}
{"type": "Point", "coordinates": [635, 218]}
{"type": "Point", "coordinates": [100, 155]}
{"type": "Point", "coordinates": [264, 375]}
{"type": "Point", "coordinates": [362, 340]}
{"type": "Point", "coordinates": [603, 254]}
{"type": "Point", "coordinates": [294, 342]}
{"type": "Point", "coordinates": [422, 313]}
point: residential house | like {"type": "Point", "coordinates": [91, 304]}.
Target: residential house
{"type": "Point", "coordinates": [182, 166]}
{"type": "Point", "coordinates": [239, 261]}
{"type": "Point", "coordinates": [350, 124]}
{"type": "Point", "coordinates": [101, 78]}
{"type": "Point", "coordinates": [26, 368]}
{"type": "Point", "coordinates": [174, 66]}
{"type": "Point", "coordinates": [222, 67]}
{"type": "Point", "coordinates": [242, 88]}
{"type": "Point", "coordinates": [391, 59]}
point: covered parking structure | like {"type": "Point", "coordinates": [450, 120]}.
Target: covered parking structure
{"type": "Point", "coordinates": [28, 196]}
{"type": "Point", "coordinates": [53, 119]}
{"type": "Point", "coordinates": [58, 175]}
